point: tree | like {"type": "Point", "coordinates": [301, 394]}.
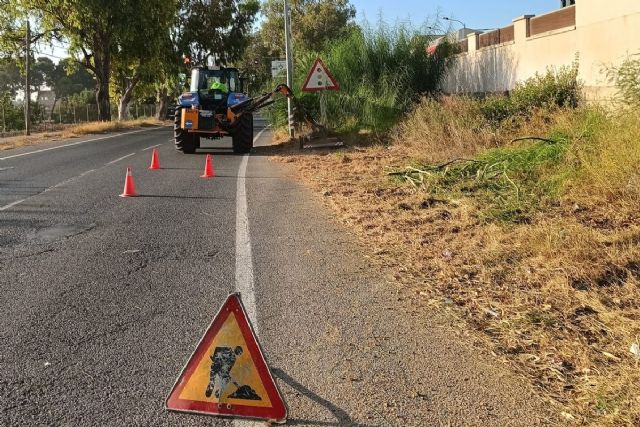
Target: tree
{"type": "Point", "coordinates": [10, 78]}
{"type": "Point", "coordinates": [143, 58]}
{"type": "Point", "coordinates": [10, 83]}
{"type": "Point", "coordinates": [314, 23]}
{"type": "Point", "coordinates": [215, 29]}
{"type": "Point", "coordinates": [69, 79]}
{"type": "Point", "coordinates": [95, 30]}
{"type": "Point", "coordinates": [256, 62]}
{"type": "Point", "coordinates": [42, 73]}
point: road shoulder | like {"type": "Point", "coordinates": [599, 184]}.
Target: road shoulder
{"type": "Point", "coordinates": [351, 348]}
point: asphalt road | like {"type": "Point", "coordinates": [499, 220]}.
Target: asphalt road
{"type": "Point", "coordinates": [103, 299]}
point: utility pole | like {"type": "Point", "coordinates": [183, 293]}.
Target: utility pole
{"type": "Point", "coordinates": [289, 56]}
{"type": "Point", "coordinates": [27, 90]}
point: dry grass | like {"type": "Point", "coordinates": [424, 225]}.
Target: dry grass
{"type": "Point", "coordinates": [73, 131]}
{"type": "Point", "coordinates": [555, 296]}
{"type": "Point", "coordinates": [113, 126]}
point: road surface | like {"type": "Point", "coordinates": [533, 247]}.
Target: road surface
{"type": "Point", "coordinates": [103, 299]}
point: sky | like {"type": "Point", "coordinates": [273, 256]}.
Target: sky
{"type": "Point", "coordinates": [477, 14]}
{"type": "Point", "coordinates": [474, 13]}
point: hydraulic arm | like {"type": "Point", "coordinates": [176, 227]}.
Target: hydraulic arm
{"type": "Point", "coordinates": [254, 104]}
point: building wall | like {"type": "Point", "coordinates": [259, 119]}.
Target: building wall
{"type": "Point", "coordinates": [603, 34]}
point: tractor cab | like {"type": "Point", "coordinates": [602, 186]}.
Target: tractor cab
{"type": "Point", "coordinates": [216, 89]}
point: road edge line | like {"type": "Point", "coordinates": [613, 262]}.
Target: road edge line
{"type": "Point", "coordinates": [244, 260]}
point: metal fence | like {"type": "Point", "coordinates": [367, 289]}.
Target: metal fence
{"type": "Point", "coordinates": [89, 113]}
{"type": "Point", "coordinates": [64, 115]}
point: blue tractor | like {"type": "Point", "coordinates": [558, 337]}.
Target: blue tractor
{"type": "Point", "coordinates": [216, 106]}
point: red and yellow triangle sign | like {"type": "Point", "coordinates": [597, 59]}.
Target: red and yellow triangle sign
{"type": "Point", "coordinates": [227, 375]}
{"type": "Point", "coordinates": [319, 78]}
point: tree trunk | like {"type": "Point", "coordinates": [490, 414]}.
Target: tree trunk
{"type": "Point", "coordinates": [123, 105]}
{"type": "Point", "coordinates": [102, 64]}
{"type": "Point", "coordinates": [53, 107]}
{"type": "Point", "coordinates": [163, 100]}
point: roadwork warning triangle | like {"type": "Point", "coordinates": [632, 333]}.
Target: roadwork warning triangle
{"type": "Point", "coordinates": [227, 375]}
{"type": "Point", "coordinates": [319, 78]}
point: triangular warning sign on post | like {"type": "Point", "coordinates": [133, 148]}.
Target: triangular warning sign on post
{"type": "Point", "coordinates": [227, 375]}
{"type": "Point", "coordinates": [319, 78]}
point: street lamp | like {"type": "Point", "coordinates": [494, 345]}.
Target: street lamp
{"type": "Point", "coordinates": [446, 18]}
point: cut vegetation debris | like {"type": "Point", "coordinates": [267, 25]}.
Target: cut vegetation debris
{"type": "Point", "coordinates": [72, 131]}
{"type": "Point", "coordinates": [527, 223]}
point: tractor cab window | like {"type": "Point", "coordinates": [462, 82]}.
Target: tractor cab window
{"type": "Point", "coordinates": [218, 83]}
{"type": "Point", "coordinates": [234, 82]}
{"type": "Point", "coordinates": [222, 80]}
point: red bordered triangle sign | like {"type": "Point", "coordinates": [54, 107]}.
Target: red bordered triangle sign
{"type": "Point", "coordinates": [227, 375]}
{"type": "Point", "coordinates": [320, 78]}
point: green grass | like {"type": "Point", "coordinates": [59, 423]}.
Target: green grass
{"type": "Point", "coordinates": [510, 182]}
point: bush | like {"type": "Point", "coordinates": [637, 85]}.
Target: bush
{"type": "Point", "coordinates": [550, 90]}
{"type": "Point", "coordinates": [12, 116]}
{"type": "Point", "coordinates": [626, 77]}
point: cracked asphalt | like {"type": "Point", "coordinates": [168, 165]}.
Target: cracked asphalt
{"type": "Point", "coordinates": [104, 299]}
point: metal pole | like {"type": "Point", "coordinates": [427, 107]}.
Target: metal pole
{"type": "Point", "coordinates": [289, 56]}
{"type": "Point", "coordinates": [27, 91]}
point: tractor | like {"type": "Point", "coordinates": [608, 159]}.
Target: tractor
{"type": "Point", "coordinates": [216, 106]}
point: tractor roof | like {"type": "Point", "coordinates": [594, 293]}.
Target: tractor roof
{"type": "Point", "coordinates": [217, 68]}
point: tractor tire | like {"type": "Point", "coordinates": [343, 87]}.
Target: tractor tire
{"type": "Point", "coordinates": [242, 137]}
{"type": "Point", "coordinates": [185, 141]}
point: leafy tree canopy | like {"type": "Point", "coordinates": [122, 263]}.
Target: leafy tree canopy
{"type": "Point", "coordinates": [215, 29]}
{"type": "Point", "coordinates": [315, 23]}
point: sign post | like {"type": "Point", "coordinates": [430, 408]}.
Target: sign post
{"type": "Point", "coordinates": [289, 55]}
{"type": "Point", "coordinates": [320, 79]}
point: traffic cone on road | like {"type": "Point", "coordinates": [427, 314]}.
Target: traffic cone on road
{"type": "Point", "coordinates": [155, 161]}
{"type": "Point", "coordinates": [208, 168]}
{"type": "Point", "coordinates": [129, 186]}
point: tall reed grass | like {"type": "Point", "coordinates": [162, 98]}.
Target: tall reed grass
{"type": "Point", "coordinates": [382, 70]}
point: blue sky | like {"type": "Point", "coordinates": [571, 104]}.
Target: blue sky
{"type": "Point", "coordinates": [474, 13]}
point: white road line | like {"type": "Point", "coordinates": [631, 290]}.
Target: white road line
{"type": "Point", "coordinates": [60, 184]}
{"type": "Point", "coordinates": [118, 159]}
{"type": "Point", "coordinates": [10, 205]}
{"type": "Point", "coordinates": [5, 169]}
{"type": "Point", "coordinates": [244, 261]}
{"type": "Point", "coordinates": [153, 146]}
{"type": "Point", "coordinates": [73, 143]}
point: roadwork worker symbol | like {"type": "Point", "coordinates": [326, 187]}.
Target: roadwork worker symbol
{"type": "Point", "coordinates": [222, 361]}
{"type": "Point", "coordinates": [227, 374]}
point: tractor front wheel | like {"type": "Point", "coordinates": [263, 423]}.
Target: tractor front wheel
{"type": "Point", "coordinates": [185, 141]}
{"type": "Point", "coordinates": [242, 137]}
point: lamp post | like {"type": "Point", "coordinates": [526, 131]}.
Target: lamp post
{"type": "Point", "coordinates": [289, 56]}
{"type": "Point", "coordinates": [27, 87]}
{"type": "Point", "coordinates": [446, 18]}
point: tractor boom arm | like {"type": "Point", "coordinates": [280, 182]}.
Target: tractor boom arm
{"type": "Point", "coordinates": [257, 103]}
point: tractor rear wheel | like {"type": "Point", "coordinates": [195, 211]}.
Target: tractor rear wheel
{"type": "Point", "coordinates": [242, 137]}
{"type": "Point", "coordinates": [185, 141]}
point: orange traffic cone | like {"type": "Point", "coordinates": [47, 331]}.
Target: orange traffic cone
{"type": "Point", "coordinates": [208, 168]}
{"type": "Point", "coordinates": [129, 186]}
{"type": "Point", "coordinates": [155, 161]}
